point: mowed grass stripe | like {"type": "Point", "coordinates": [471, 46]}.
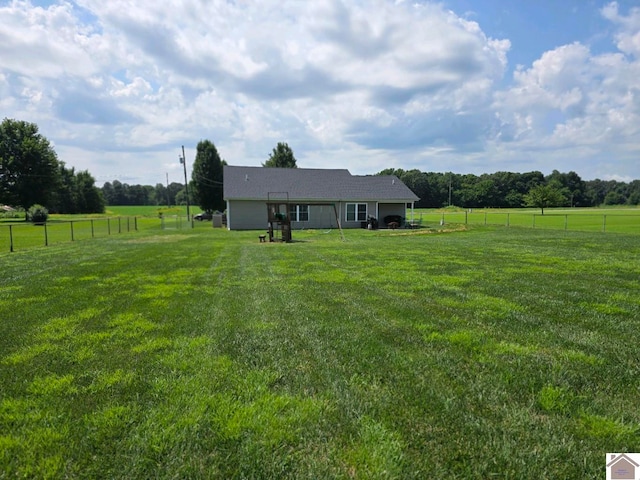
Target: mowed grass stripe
{"type": "Point", "coordinates": [205, 354]}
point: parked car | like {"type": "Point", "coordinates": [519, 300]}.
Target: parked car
{"type": "Point", "coordinates": [203, 216]}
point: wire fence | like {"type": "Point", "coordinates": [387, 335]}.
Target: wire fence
{"type": "Point", "coordinates": [587, 222]}
{"type": "Point", "coordinates": [23, 235]}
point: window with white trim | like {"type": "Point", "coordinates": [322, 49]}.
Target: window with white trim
{"type": "Point", "coordinates": [356, 212]}
{"type": "Point", "coordinates": [299, 213]}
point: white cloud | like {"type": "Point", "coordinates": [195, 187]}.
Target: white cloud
{"type": "Point", "coordinates": [572, 104]}
{"type": "Point", "coordinates": [628, 35]}
{"type": "Point", "coordinates": [46, 43]}
{"type": "Point", "coordinates": [121, 85]}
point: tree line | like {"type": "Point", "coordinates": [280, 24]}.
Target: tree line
{"type": "Point", "coordinates": [118, 193]}
{"type": "Point", "coordinates": [31, 174]}
{"type": "Point", "coordinates": [205, 186]}
{"type": "Point", "coordinates": [513, 190]}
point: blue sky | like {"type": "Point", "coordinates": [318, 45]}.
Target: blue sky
{"type": "Point", "coordinates": [534, 27]}
{"type": "Point", "coordinates": [469, 86]}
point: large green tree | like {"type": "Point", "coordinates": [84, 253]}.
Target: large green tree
{"type": "Point", "coordinates": [281, 156]}
{"type": "Point", "coordinates": [29, 167]}
{"type": "Point", "coordinates": [90, 199]}
{"type": "Point", "coordinates": [206, 177]}
{"type": "Point", "coordinates": [543, 196]}
{"type": "Point", "coordinates": [572, 187]}
{"type": "Point", "coordinates": [76, 193]}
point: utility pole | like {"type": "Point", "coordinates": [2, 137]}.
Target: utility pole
{"type": "Point", "coordinates": [183, 161]}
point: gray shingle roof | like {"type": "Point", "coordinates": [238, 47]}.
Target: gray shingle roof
{"type": "Point", "coordinates": [308, 184]}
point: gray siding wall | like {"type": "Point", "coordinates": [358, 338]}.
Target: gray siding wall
{"type": "Point", "coordinates": [247, 215]}
{"type": "Point", "coordinates": [320, 216]}
{"type": "Point", "coordinates": [252, 215]}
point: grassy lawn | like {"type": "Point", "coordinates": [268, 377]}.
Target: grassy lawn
{"type": "Point", "coordinates": [479, 353]}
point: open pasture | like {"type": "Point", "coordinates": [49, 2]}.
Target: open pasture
{"type": "Point", "coordinates": [486, 352]}
{"type": "Point", "coordinates": [607, 220]}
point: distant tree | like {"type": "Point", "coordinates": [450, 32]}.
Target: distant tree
{"type": "Point", "coordinates": [119, 193]}
{"type": "Point", "coordinates": [206, 177]}
{"type": "Point", "coordinates": [437, 194]}
{"type": "Point", "coordinates": [66, 200]}
{"type": "Point", "coordinates": [172, 191]}
{"type": "Point", "coordinates": [90, 199]}
{"type": "Point", "coordinates": [466, 194]}
{"type": "Point", "coordinates": [614, 198]}
{"type": "Point", "coordinates": [77, 193]}
{"type": "Point", "coordinates": [108, 193]}
{"type": "Point", "coordinates": [28, 165]}
{"type": "Point", "coordinates": [634, 193]}
{"type": "Point", "coordinates": [398, 172]}
{"type": "Point", "coordinates": [181, 197]}
{"type": "Point", "coordinates": [416, 181]}
{"type": "Point", "coordinates": [150, 193]}
{"type": "Point", "coordinates": [510, 188]}
{"type": "Point", "coordinates": [595, 192]}
{"type": "Point", "coordinates": [572, 185]}
{"type": "Point", "coordinates": [281, 156]}
{"type": "Point", "coordinates": [161, 194]}
{"type": "Point", "coordinates": [137, 195]}
{"type": "Point", "coordinates": [543, 196]}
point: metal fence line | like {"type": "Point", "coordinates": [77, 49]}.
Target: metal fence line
{"type": "Point", "coordinates": [608, 222]}
{"type": "Point", "coordinates": [24, 234]}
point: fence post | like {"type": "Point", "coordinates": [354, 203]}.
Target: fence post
{"type": "Point", "coordinates": [46, 237]}
{"type": "Point", "coordinates": [485, 218]}
{"type": "Point", "coordinates": [108, 226]}
{"type": "Point", "coordinates": [508, 220]}
{"type": "Point", "coordinates": [92, 234]}
{"type": "Point", "coordinates": [71, 223]}
{"type": "Point", "coordinates": [466, 219]}
{"type": "Point", "coordinates": [11, 238]}
{"type": "Point", "coordinates": [119, 224]}
{"type": "Point", "coordinates": [135, 223]}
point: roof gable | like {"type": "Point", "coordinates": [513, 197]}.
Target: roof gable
{"type": "Point", "coordinates": [308, 184]}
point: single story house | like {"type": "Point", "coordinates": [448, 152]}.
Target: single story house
{"type": "Point", "coordinates": [316, 198]}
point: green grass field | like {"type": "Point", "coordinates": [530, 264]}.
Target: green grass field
{"type": "Point", "coordinates": [479, 353]}
{"type": "Point", "coordinates": [126, 218]}
{"type": "Point", "coordinates": [611, 220]}
{"type": "Point", "coordinates": [16, 234]}
{"type": "Point", "coordinates": [150, 210]}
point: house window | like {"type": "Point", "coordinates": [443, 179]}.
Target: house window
{"type": "Point", "coordinates": [356, 212]}
{"type": "Point", "coordinates": [299, 213]}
